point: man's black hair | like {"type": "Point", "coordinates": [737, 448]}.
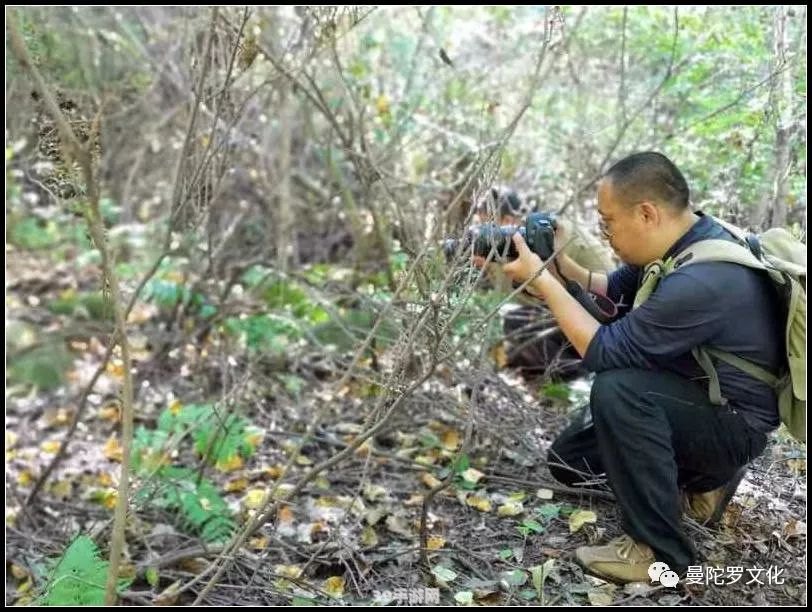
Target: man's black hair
{"type": "Point", "coordinates": [649, 176]}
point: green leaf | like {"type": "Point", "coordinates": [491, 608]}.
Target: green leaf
{"type": "Point", "coordinates": [505, 554]}
{"type": "Point", "coordinates": [79, 577]}
{"type": "Point", "coordinates": [152, 577]}
{"type": "Point", "coordinates": [462, 463]}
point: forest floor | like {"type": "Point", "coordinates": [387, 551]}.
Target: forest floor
{"type": "Point", "coordinates": [502, 532]}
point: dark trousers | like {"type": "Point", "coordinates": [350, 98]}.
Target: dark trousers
{"type": "Point", "coordinates": [652, 434]}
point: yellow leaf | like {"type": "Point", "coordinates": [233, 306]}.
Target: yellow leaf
{"type": "Point", "coordinates": [24, 587]}
{"type": "Point", "coordinates": [18, 571]}
{"type": "Point", "coordinates": [483, 504]}
{"type": "Point", "coordinates": [580, 517]}
{"type": "Point", "coordinates": [274, 471]}
{"type": "Point", "coordinates": [235, 485]}
{"type": "Point", "coordinates": [61, 416]}
{"type": "Point", "coordinates": [105, 479]}
{"type": "Point", "coordinates": [110, 499]}
{"type": "Point", "coordinates": [334, 586]}
{"type": "Point", "coordinates": [205, 503]}
{"type": "Point", "coordinates": [255, 498]}
{"type": "Point", "coordinates": [415, 500]}
{"type": "Point", "coordinates": [231, 464]}
{"type": "Point", "coordinates": [175, 407]}
{"type": "Point", "coordinates": [425, 459]}
{"type": "Point", "coordinates": [51, 446]}
{"type": "Point", "coordinates": [113, 450]}
{"type": "Point", "coordinates": [435, 542]}
{"type": "Point", "coordinates": [364, 450]}
{"type": "Point", "coordinates": [169, 595]}
{"type": "Point", "coordinates": [260, 543]}
{"type": "Point", "coordinates": [303, 460]}
{"type": "Point", "coordinates": [110, 412]}
{"type": "Point", "coordinates": [472, 475]}
{"type": "Point", "coordinates": [289, 571]}
{"type": "Point", "coordinates": [25, 478]}
{"type": "Point", "coordinates": [382, 104]}
{"type": "Point", "coordinates": [450, 439]}
{"type": "Point", "coordinates": [11, 439]}
{"type": "Point", "coordinates": [285, 515]}
{"type": "Point", "coordinates": [368, 537]}
{"type": "Point", "coordinates": [511, 508]}
{"type": "Point", "coordinates": [499, 355]}
{"type": "Point", "coordinates": [254, 438]}
{"type": "Point", "coordinates": [115, 368]}
{"type": "Point", "coordinates": [797, 466]}
{"type": "Point", "coordinates": [429, 480]}
{"type": "Point", "coordinates": [61, 488]}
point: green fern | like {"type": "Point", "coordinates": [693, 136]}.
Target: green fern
{"type": "Point", "coordinates": [200, 507]}
{"type": "Point", "coordinates": [197, 502]}
{"type": "Point", "coordinates": [78, 578]}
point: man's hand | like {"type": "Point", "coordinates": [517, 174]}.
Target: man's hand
{"type": "Point", "coordinates": [527, 266]}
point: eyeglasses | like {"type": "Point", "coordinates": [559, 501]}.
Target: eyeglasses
{"type": "Point", "coordinates": [604, 229]}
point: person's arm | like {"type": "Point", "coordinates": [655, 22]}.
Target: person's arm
{"type": "Point", "coordinates": [577, 324]}
{"type": "Point", "coordinates": [596, 282]}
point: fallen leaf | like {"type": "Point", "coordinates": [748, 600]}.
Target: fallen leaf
{"type": "Point", "coordinates": [368, 537]}
{"type": "Point", "coordinates": [175, 406]}
{"type": "Point", "coordinates": [429, 480]}
{"type": "Point", "coordinates": [51, 446]}
{"type": "Point", "coordinates": [483, 504]}
{"type": "Point", "coordinates": [510, 508]}
{"type": "Point", "coordinates": [284, 515]}
{"type": "Point", "coordinates": [110, 412]}
{"type": "Point", "coordinates": [11, 439]}
{"type": "Point", "coordinates": [259, 543]}
{"type": "Point", "coordinates": [115, 368]}
{"type": "Point", "coordinates": [794, 528]}
{"type": "Point", "coordinates": [25, 478]}
{"type": "Point", "coordinates": [544, 494]}
{"type": "Point", "coordinates": [499, 355]}
{"type": "Point", "coordinates": [465, 598]}
{"type": "Point", "coordinates": [168, 596]}
{"type": "Point", "coordinates": [435, 542]}
{"type": "Point", "coordinates": [374, 492]}
{"type": "Point", "coordinates": [443, 574]}
{"type": "Point", "coordinates": [236, 485]}
{"type": "Point", "coordinates": [18, 571]}
{"type": "Point", "coordinates": [450, 439]}
{"type": "Point", "coordinates": [581, 517]}
{"type": "Point", "coordinates": [599, 598]}
{"type": "Point", "coordinates": [472, 475]}
{"type": "Point", "coordinates": [255, 498]}
{"type": "Point", "coordinates": [414, 500]}
{"type": "Point", "coordinates": [334, 586]}
{"type": "Point", "coordinates": [288, 571]}
{"type": "Point", "coordinates": [398, 525]}
{"type": "Point", "coordinates": [113, 450]}
{"type": "Point", "coordinates": [232, 464]}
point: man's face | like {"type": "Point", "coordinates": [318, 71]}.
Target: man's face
{"type": "Point", "coordinates": [623, 226]}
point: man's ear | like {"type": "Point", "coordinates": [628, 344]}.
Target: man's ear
{"type": "Point", "coordinates": [649, 212]}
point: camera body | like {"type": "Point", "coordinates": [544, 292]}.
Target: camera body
{"type": "Point", "coordinates": [538, 231]}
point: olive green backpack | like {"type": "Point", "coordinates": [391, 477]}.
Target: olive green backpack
{"type": "Point", "coordinates": [783, 257]}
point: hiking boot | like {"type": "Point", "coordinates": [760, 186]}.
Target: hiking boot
{"type": "Point", "coordinates": [621, 560]}
{"type": "Point", "coordinates": [707, 508]}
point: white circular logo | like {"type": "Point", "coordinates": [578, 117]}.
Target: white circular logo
{"type": "Point", "coordinates": [669, 578]}
{"type": "Point", "coordinates": [656, 569]}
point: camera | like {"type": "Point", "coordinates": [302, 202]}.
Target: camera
{"type": "Point", "coordinates": [538, 231]}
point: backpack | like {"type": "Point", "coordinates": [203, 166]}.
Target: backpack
{"type": "Point", "coordinates": [783, 257]}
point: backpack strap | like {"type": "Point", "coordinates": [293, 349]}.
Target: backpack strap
{"type": "Point", "coordinates": [707, 251]}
